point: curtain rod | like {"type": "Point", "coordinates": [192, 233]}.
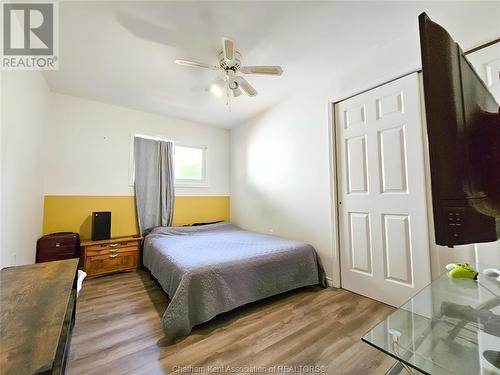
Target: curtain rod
{"type": "Point", "coordinates": [153, 138]}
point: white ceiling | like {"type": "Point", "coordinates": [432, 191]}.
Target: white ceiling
{"type": "Point", "coordinates": [122, 52]}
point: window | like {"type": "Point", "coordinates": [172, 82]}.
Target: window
{"type": "Point", "coordinates": [189, 165]}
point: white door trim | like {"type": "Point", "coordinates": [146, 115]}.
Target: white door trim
{"type": "Point", "coordinates": [334, 186]}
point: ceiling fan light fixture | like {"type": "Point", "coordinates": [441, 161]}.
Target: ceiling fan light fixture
{"type": "Point", "coordinates": [233, 85]}
{"type": "Point", "coordinates": [230, 64]}
{"type": "Point", "coordinates": [217, 88]}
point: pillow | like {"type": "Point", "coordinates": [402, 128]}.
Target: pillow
{"type": "Point", "coordinates": [211, 222]}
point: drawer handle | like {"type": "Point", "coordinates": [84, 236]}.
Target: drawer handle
{"type": "Point", "coordinates": [113, 245]}
{"type": "Point", "coordinates": [113, 255]}
{"type": "Point", "coordinates": [113, 250]}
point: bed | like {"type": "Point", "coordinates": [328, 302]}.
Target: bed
{"type": "Point", "coordinates": [210, 269]}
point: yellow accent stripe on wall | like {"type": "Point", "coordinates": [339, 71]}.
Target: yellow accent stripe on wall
{"type": "Point", "coordinates": [72, 213]}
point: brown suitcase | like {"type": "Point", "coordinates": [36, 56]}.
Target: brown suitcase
{"type": "Point", "coordinates": [58, 246]}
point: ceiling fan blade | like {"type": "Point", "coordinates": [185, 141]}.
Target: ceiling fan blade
{"type": "Point", "coordinates": [269, 70]}
{"type": "Point", "coordinates": [195, 64]}
{"type": "Point", "coordinates": [236, 92]}
{"type": "Point", "coordinates": [228, 48]}
{"type": "Point", "coordinates": [247, 87]}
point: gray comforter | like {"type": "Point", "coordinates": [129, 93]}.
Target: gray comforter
{"type": "Point", "coordinates": [210, 269]}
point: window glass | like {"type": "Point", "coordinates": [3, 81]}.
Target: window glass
{"type": "Point", "coordinates": [189, 163]}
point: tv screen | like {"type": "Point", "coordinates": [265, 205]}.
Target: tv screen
{"type": "Point", "coordinates": [463, 126]}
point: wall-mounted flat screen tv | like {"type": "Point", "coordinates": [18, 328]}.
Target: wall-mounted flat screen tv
{"type": "Point", "coordinates": [463, 126]}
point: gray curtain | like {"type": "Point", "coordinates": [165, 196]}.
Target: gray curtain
{"type": "Point", "coordinates": [154, 183]}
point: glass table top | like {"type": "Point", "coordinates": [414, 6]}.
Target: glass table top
{"type": "Point", "coordinates": [452, 326]}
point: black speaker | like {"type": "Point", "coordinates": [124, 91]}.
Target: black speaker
{"type": "Point", "coordinates": [101, 225]}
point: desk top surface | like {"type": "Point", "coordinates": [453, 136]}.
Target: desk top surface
{"type": "Point", "coordinates": [33, 303]}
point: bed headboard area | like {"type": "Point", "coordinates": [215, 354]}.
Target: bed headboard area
{"type": "Point", "coordinates": [72, 213]}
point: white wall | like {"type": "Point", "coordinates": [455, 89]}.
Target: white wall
{"type": "Point", "coordinates": [89, 147]}
{"type": "Point", "coordinates": [280, 179]}
{"type": "Point", "coordinates": [25, 105]}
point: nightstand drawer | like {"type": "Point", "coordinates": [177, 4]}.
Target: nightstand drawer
{"type": "Point", "coordinates": [97, 247]}
{"type": "Point", "coordinates": [111, 262]}
{"type": "Point", "coordinates": [112, 245]}
{"type": "Point", "coordinates": [112, 250]}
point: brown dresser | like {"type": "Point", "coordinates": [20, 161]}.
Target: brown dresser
{"type": "Point", "coordinates": [110, 256]}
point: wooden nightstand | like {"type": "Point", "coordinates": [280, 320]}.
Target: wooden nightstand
{"type": "Point", "coordinates": [110, 256]}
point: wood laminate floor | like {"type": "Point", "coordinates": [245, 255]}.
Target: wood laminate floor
{"type": "Point", "coordinates": [118, 331]}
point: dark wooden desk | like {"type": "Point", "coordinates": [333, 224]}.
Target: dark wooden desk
{"type": "Point", "coordinates": [37, 314]}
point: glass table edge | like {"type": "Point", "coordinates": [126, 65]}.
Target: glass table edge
{"type": "Point", "coordinates": [479, 266]}
{"type": "Point", "coordinates": [394, 356]}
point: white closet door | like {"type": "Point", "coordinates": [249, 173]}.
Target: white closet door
{"type": "Point", "coordinates": [384, 243]}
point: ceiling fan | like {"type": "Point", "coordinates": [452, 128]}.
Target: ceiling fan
{"type": "Point", "coordinates": [230, 63]}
